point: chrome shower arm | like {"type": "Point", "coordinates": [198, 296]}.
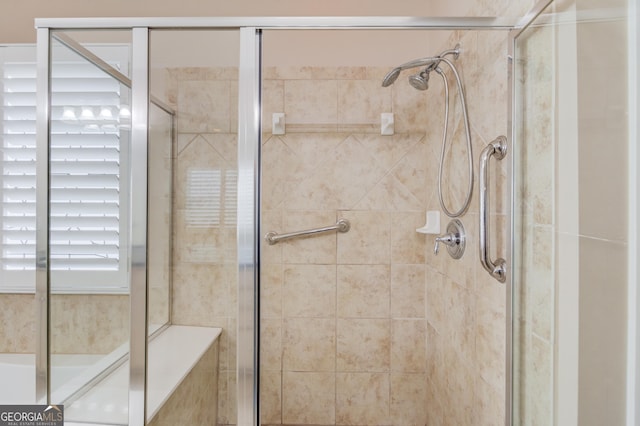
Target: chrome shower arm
{"type": "Point", "coordinates": [455, 52]}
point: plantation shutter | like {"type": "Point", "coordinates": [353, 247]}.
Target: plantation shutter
{"type": "Point", "coordinates": [88, 134]}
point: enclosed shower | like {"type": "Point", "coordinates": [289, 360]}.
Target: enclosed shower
{"type": "Point", "coordinates": [264, 258]}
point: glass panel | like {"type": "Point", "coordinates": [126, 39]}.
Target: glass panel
{"type": "Point", "coordinates": [535, 176]}
{"type": "Point", "coordinates": [572, 233]}
{"type": "Point", "coordinates": [370, 326]}
{"type": "Point", "coordinates": [201, 86]}
{"type": "Point", "coordinates": [17, 224]}
{"type": "Point", "coordinates": [89, 225]}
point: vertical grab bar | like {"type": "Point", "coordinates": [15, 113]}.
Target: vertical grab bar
{"type": "Point", "coordinates": [497, 149]}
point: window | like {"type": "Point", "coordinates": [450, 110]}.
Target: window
{"type": "Point", "coordinates": [88, 161]}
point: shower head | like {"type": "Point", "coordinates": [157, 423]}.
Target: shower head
{"type": "Point", "coordinates": [392, 76]}
{"type": "Point", "coordinates": [420, 81]}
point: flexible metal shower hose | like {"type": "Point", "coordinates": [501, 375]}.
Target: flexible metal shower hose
{"type": "Point", "coordinates": [467, 201]}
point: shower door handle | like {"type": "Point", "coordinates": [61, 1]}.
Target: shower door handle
{"type": "Point", "coordinates": [497, 149]}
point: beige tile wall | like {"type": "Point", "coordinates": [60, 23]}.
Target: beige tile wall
{"type": "Point", "coordinates": [371, 316]}
{"type": "Point", "coordinates": [80, 324]}
{"type": "Point", "coordinates": [465, 306]}
{"type": "Point", "coordinates": [343, 315]}
{"type": "Point", "coordinates": [19, 310]}
{"type": "Point", "coordinates": [89, 323]}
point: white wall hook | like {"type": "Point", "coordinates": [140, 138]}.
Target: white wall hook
{"type": "Point", "coordinates": [277, 123]}
{"type": "Point", "coordinates": [386, 123]}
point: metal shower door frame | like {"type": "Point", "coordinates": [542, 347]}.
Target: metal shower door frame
{"type": "Point", "coordinates": [249, 143]}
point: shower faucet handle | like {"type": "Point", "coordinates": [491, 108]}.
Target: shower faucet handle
{"type": "Point", "coordinates": [447, 239]}
{"type": "Point", "coordinates": [454, 239]}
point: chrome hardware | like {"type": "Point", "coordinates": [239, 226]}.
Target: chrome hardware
{"type": "Point", "coordinates": [454, 239]}
{"type": "Point", "coordinates": [341, 225]}
{"type": "Point", "coordinates": [497, 149]}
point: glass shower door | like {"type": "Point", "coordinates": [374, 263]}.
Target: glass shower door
{"type": "Point", "coordinates": [570, 220]}
{"type": "Point", "coordinates": [106, 174]}
{"type": "Point", "coordinates": [201, 87]}
{"type": "Point", "coordinates": [89, 253]}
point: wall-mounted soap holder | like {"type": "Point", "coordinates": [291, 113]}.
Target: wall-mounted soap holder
{"type": "Point", "coordinates": [431, 224]}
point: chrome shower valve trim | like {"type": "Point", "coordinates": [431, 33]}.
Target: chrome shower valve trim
{"type": "Point", "coordinates": [454, 239]}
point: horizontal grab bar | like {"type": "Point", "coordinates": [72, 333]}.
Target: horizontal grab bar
{"type": "Point", "coordinates": [341, 225]}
